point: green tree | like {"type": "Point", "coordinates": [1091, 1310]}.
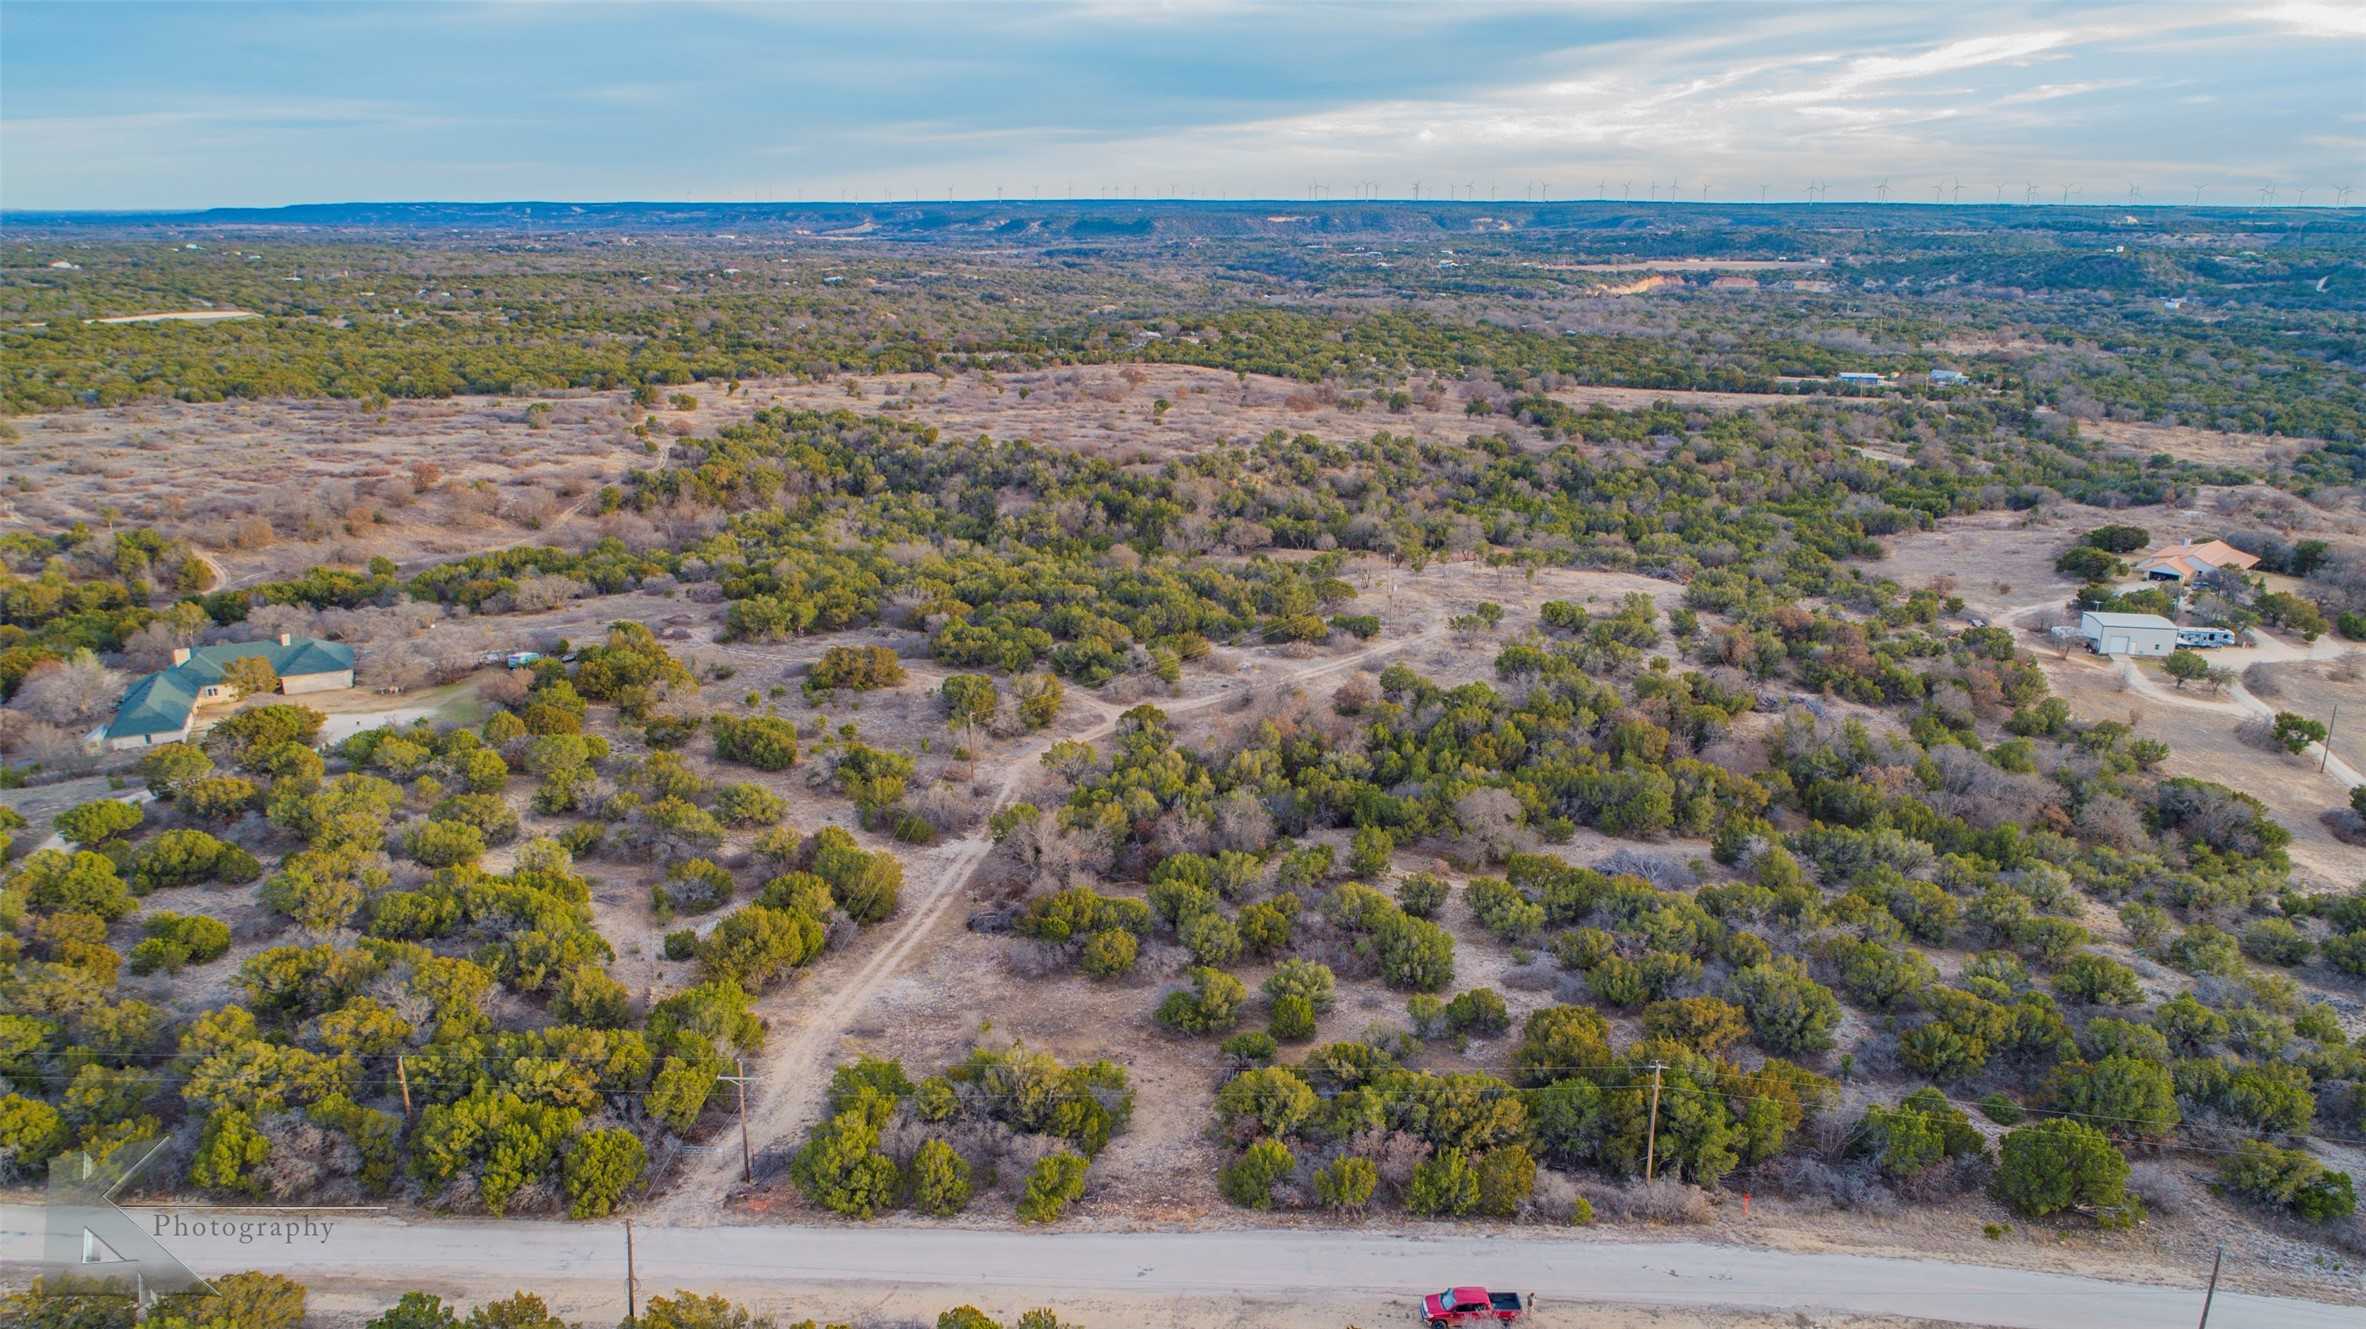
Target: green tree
{"type": "Point", "coordinates": [602, 1167]}
{"type": "Point", "coordinates": [970, 700]}
{"type": "Point", "coordinates": [2186, 666]}
{"type": "Point", "coordinates": [2290, 1179]}
{"type": "Point", "coordinates": [1056, 1183]}
{"type": "Point", "coordinates": [94, 823]}
{"type": "Point", "coordinates": [2295, 732]}
{"type": "Point", "coordinates": [1445, 1185]}
{"type": "Point", "coordinates": [250, 675]}
{"type": "Point", "coordinates": [690, 1310]}
{"type": "Point", "coordinates": [1211, 1006]}
{"type": "Point", "coordinates": [168, 769]}
{"type": "Point", "coordinates": [1109, 953]}
{"type": "Point", "coordinates": [2060, 1164]}
{"type": "Point", "coordinates": [1248, 1180]}
{"type": "Point", "coordinates": [1789, 1012]}
{"type": "Point", "coordinates": [229, 1154]}
{"type": "Point", "coordinates": [940, 1179]}
{"type": "Point", "coordinates": [1345, 1184]}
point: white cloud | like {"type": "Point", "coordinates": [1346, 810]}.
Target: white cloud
{"type": "Point", "coordinates": [2317, 18]}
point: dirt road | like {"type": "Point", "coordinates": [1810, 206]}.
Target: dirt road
{"type": "Point", "coordinates": [2239, 702]}
{"type": "Point", "coordinates": [791, 1077]}
{"type": "Point", "coordinates": [1371, 1276]}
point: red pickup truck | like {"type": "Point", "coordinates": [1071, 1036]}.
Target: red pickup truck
{"type": "Point", "coordinates": [1471, 1305]}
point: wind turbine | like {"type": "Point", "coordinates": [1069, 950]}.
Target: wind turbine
{"type": "Point", "coordinates": [2302, 201]}
{"type": "Point", "coordinates": [2067, 191]}
{"type": "Point", "coordinates": [1959, 191]}
{"type": "Point", "coordinates": [2197, 196]}
{"type": "Point", "coordinates": [2029, 195]}
{"type": "Point", "coordinates": [1882, 191]}
{"type": "Point", "coordinates": [2267, 193]}
{"type": "Point", "coordinates": [2133, 193]}
{"type": "Point", "coordinates": [2342, 195]}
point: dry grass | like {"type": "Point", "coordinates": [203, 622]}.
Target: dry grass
{"type": "Point", "coordinates": [274, 488]}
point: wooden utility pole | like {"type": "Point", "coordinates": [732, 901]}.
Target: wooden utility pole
{"type": "Point", "coordinates": [402, 1079]}
{"type": "Point", "coordinates": [2212, 1294]}
{"type": "Point", "coordinates": [747, 1157]}
{"type": "Point", "coordinates": [1651, 1134]}
{"type": "Point", "coordinates": [2327, 745]}
{"type": "Point", "coordinates": [632, 1282]}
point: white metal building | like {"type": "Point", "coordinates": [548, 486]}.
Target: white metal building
{"type": "Point", "coordinates": [2127, 634]}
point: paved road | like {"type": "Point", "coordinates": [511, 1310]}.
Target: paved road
{"type": "Point", "coordinates": [494, 1258]}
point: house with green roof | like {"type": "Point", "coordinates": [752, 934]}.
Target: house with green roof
{"type": "Point", "coordinates": [161, 707]}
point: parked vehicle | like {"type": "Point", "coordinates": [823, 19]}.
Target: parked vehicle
{"type": "Point", "coordinates": [2204, 638]}
{"type": "Point", "coordinates": [1472, 1305]}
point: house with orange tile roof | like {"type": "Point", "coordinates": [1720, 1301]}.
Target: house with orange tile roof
{"type": "Point", "coordinates": [2195, 561]}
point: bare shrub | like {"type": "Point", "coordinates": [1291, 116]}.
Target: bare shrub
{"type": "Point", "coordinates": [1661, 1201]}
{"type": "Point", "coordinates": [533, 595]}
{"type": "Point", "coordinates": [1491, 824]}
{"type": "Point", "coordinates": [69, 692]}
{"type": "Point", "coordinates": [2111, 820]}
{"type": "Point", "coordinates": [265, 623]}
{"type": "Point", "coordinates": [1985, 794]}
{"type": "Point", "coordinates": [253, 533]}
{"type": "Point", "coordinates": [1854, 1186]}
{"type": "Point", "coordinates": [1661, 870]}
{"type": "Point", "coordinates": [1394, 1153]}
{"type": "Point", "coordinates": [151, 648]}
{"type": "Point", "coordinates": [1554, 1200]}
{"type": "Point", "coordinates": [947, 805]}
{"type": "Point", "coordinates": [24, 737]}
{"type": "Point", "coordinates": [1242, 823]}
{"type": "Point", "coordinates": [1037, 959]}
{"type": "Point", "coordinates": [2164, 1187]}
{"type": "Point", "coordinates": [2260, 680]}
{"type": "Point", "coordinates": [1538, 975]}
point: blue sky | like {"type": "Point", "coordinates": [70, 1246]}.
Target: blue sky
{"type": "Point", "coordinates": [106, 105]}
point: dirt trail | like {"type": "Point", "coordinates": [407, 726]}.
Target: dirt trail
{"type": "Point", "coordinates": [788, 1079]}
{"type": "Point", "coordinates": [2239, 703]}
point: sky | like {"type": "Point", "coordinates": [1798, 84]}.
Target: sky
{"type": "Point", "coordinates": [146, 106]}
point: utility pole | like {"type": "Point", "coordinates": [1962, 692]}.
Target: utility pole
{"type": "Point", "coordinates": [747, 1159]}
{"type": "Point", "coordinates": [2327, 755]}
{"type": "Point", "coordinates": [403, 1079]}
{"type": "Point", "coordinates": [632, 1283]}
{"type": "Point", "coordinates": [1651, 1134]}
{"type": "Point", "coordinates": [2212, 1294]}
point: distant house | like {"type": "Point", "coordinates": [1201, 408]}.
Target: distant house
{"type": "Point", "coordinates": [1947, 378]}
{"type": "Point", "coordinates": [1860, 377]}
{"type": "Point", "coordinates": [160, 707]}
{"type": "Point", "coordinates": [2127, 634]}
{"type": "Point", "coordinates": [2194, 561]}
